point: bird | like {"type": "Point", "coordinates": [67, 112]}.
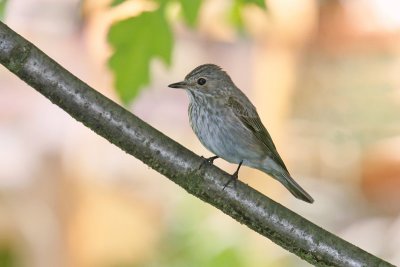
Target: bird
{"type": "Point", "coordinates": [227, 124]}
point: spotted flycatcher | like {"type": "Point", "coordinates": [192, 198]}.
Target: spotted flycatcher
{"type": "Point", "coordinates": [227, 124]}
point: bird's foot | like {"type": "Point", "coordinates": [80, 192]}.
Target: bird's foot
{"type": "Point", "coordinates": [209, 160]}
{"type": "Point", "coordinates": [234, 177]}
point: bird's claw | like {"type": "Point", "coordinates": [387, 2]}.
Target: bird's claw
{"type": "Point", "coordinates": [209, 160]}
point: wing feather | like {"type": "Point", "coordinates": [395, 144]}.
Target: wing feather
{"type": "Point", "coordinates": [252, 121]}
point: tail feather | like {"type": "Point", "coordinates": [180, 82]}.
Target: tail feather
{"type": "Point", "coordinates": [294, 187]}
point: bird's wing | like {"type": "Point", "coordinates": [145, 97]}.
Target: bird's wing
{"type": "Point", "coordinates": [252, 121]}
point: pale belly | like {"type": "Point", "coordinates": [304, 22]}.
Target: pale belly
{"type": "Point", "coordinates": [225, 136]}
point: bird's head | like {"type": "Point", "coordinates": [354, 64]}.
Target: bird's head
{"type": "Point", "coordinates": [207, 79]}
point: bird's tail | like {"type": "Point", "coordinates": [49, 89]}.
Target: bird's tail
{"type": "Point", "coordinates": [296, 189]}
{"type": "Point", "coordinates": [293, 187]}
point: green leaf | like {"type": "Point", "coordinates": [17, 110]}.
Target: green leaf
{"type": "Point", "coordinates": [260, 3]}
{"type": "Point", "coordinates": [7, 256]}
{"type": "Point", "coordinates": [190, 10]}
{"type": "Point", "coordinates": [136, 41]}
{"type": "Point", "coordinates": [228, 257]}
{"type": "Point", "coordinates": [236, 14]}
{"type": "Point", "coordinates": [236, 10]}
{"type": "Point", "coordinates": [116, 2]}
{"type": "Point", "coordinates": [3, 4]}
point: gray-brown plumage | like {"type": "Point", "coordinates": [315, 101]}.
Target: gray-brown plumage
{"type": "Point", "coordinates": [227, 123]}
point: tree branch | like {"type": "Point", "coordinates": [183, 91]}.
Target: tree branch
{"type": "Point", "coordinates": [131, 134]}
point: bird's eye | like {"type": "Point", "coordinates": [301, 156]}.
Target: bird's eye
{"type": "Point", "coordinates": [201, 81]}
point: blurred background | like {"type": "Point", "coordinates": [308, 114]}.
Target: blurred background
{"type": "Point", "coordinates": [324, 76]}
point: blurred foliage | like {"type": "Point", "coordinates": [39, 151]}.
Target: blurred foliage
{"type": "Point", "coordinates": [116, 2]}
{"type": "Point", "coordinates": [7, 256]}
{"type": "Point", "coordinates": [237, 7]}
{"type": "Point", "coordinates": [3, 4]}
{"type": "Point", "coordinates": [190, 10]}
{"type": "Point", "coordinates": [138, 40]}
{"type": "Point", "coordinates": [193, 240]}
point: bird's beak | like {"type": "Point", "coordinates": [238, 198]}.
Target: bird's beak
{"type": "Point", "coordinates": [182, 85]}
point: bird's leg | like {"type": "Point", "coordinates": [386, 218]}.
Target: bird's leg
{"type": "Point", "coordinates": [208, 160]}
{"type": "Point", "coordinates": [234, 176]}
